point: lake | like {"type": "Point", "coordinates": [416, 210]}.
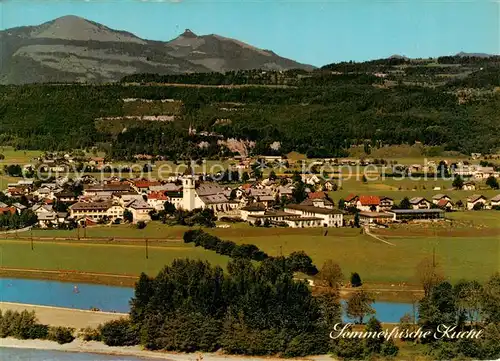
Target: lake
{"type": "Point", "coordinates": [113, 298]}
{"type": "Point", "coordinates": [15, 354]}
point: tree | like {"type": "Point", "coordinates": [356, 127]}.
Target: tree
{"type": "Point", "coordinates": [469, 296]}
{"type": "Point", "coordinates": [492, 182]}
{"type": "Point", "coordinates": [331, 274]}
{"type": "Point", "coordinates": [272, 175]}
{"type": "Point", "coordinates": [356, 219]}
{"type": "Point", "coordinates": [405, 203]}
{"type": "Point", "coordinates": [128, 216]}
{"type": "Point", "coordinates": [299, 192]}
{"type": "Point", "coordinates": [245, 177]}
{"type": "Point", "coordinates": [169, 208]}
{"type": "Point", "coordinates": [359, 305]}
{"type": "Point", "coordinates": [356, 280]}
{"type": "Point", "coordinates": [458, 182]}
{"type": "Point", "coordinates": [373, 345]}
{"type": "Point", "coordinates": [429, 274]}
{"type": "Point", "coordinates": [491, 299]}
{"type": "Point", "coordinates": [363, 179]}
{"type": "Point", "coordinates": [341, 203]}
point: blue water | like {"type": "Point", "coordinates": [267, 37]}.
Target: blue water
{"type": "Point", "coordinates": [61, 294]}
{"type": "Point", "coordinates": [112, 298]}
{"type": "Point", "coordinates": [13, 354]}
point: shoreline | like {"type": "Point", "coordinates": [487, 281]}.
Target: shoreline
{"type": "Point", "coordinates": [94, 347]}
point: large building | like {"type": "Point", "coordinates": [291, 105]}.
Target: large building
{"type": "Point", "coordinates": [328, 217]}
{"type": "Point", "coordinates": [417, 214]}
{"type": "Point", "coordinates": [95, 211]}
{"type": "Point", "coordinates": [205, 195]}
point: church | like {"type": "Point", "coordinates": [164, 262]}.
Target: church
{"type": "Point", "coordinates": [205, 195]}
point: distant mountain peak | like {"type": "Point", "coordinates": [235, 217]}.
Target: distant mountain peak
{"type": "Point", "coordinates": [188, 34]}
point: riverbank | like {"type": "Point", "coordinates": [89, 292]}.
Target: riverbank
{"type": "Point", "coordinates": [66, 317]}
{"type": "Point", "coordinates": [78, 345]}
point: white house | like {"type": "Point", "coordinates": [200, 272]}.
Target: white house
{"type": "Point", "coordinates": [495, 201]}
{"type": "Point", "coordinates": [420, 203]}
{"type": "Point", "coordinates": [96, 210]}
{"type": "Point", "coordinates": [328, 217]}
{"type": "Point", "coordinates": [475, 199]}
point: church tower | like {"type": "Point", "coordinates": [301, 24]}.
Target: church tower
{"type": "Point", "coordinates": [188, 193]}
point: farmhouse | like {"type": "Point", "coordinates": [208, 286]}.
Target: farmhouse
{"type": "Point", "coordinates": [105, 190]}
{"type": "Point", "coordinates": [140, 210]}
{"type": "Point", "coordinates": [495, 201]}
{"type": "Point", "coordinates": [438, 197]}
{"type": "Point", "coordinates": [157, 200]}
{"type": "Point", "coordinates": [420, 203]}
{"type": "Point", "coordinates": [446, 204]}
{"type": "Point", "coordinates": [417, 214]}
{"type": "Point", "coordinates": [469, 186]}
{"type": "Point", "coordinates": [252, 210]}
{"type": "Point", "coordinates": [350, 200]}
{"type": "Point", "coordinates": [368, 203]}
{"type": "Point", "coordinates": [475, 200]}
{"type": "Point", "coordinates": [386, 203]}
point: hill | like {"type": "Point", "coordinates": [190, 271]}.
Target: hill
{"type": "Point", "coordinates": [73, 49]}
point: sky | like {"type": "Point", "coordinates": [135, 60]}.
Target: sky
{"type": "Point", "coordinates": [309, 31]}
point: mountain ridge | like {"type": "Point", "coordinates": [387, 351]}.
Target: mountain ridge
{"type": "Point", "coordinates": [74, 49]}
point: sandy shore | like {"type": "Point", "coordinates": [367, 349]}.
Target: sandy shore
{"type": "Point", "coordinates": [58, 316]}
{"type": "Point", "coordinates": [79, 345]}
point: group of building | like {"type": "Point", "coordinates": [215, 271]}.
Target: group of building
{"type": "Point", "coordinates": [255, 202]}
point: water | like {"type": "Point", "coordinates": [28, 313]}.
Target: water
{"type": "Point", "coordinates": [14, 354]}
{"type": "Point", "coordinates": [68, 295]}
{"type": "Point", "coordinates": [112, 298]}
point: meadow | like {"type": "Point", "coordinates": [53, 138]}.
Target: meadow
{"type": "Point", "coordinates": [467, 246]}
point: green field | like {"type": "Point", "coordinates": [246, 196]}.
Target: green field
{"type": "Point", "coordinates": [468, 247]}
{"type": "Point", "coordinates": [20, 157]}
{"type": "Point", "coordinates": [127, 259]}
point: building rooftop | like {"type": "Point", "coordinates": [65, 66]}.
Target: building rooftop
{"type": "Point", "coordinates": [313, 209]}
{"type": "Point", "coordinates": [415, 211]}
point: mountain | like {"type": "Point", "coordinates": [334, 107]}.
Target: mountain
{"type": "Point", "coordinates": [477, 55]}
{"type": "Point", "coordinates": [71, 48]}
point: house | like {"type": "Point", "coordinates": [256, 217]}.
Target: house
{"type": "Point", "coordinates": [438, 197]}
{"type": "Point", "coordinates": [386, 203]}
{"type": "Point", "coordinates": [329, 186]}
{"type": "Point", "coordinates": [368, 203]}
{"type": "Point", "coordinates": [469, 186]}
{"type": "Point", "coordinates": [252, 210]}
{"type": "Point", "coordinates": [65, 197]}
{"type": "Point", "coordinates": [495, 201]}
{"type": "Point", "coordinates": [420, 203]}
{"type": "Point", "coordinates": [445, 203]}
{"type": "Point", "coordinates": [310, 179]}
{"type": "Point", "coordinates": [351, 200]}
{"type": "Point", "coordinates": [19, 207]}
{"type": "Point", "coordinates": [140, 210]}
{"type": "Point", "coordinates": [328, 217]}
{"type": "Point", "coordinates": [48, 219]}
{"type": "Point", "coordinates": [474, 201]}
{"type": "Point", "coordinates": [367, 218]}
{"type": "Point", "coordinates": [417, 214]}
{"type": "Point", "coordinates": [96, 211]}
{"type": "Point", "coordinates": [105, 190]}
{"type": "Point", "coordinates": [157, 200]}
{"type": "Point", "coordinates": [143, 186]}
{"type": "Point", "coordinates": [284, 191]}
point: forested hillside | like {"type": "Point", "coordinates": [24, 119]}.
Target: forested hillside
{"type": "Point", "coordinates": [321, 113]}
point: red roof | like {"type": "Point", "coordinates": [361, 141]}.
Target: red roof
{"type": "Point", "coordinates": [369, 200]}
{"type": "Point", "coordinates": [443, 202]}
{"type": "Point", "coordinates": [316, 195]}
{"type": "Point", "coordinates": [145, 184]}
{"type": "Point", "coordinates": [246, 186]}
{"type": "Point", "coordinates": [350, 197]}
{"type": "Point", "coordinates": [12, 210]}
{"type": "Point", "coordinates": [158, 195]}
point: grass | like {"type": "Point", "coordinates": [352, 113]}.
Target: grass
{"type": "Point", "coordinates": [20, 157]}
{"type": "Point", "coordinates": [127, 259]}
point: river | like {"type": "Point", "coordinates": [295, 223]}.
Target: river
{"type": "Point", "coordinates": [16, 354]}
{"type": "Point", "coordinates": [116, 299]}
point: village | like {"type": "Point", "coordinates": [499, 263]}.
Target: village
{"type": "Point", "coordinates": [296, 199]}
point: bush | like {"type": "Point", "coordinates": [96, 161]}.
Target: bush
{"type": "Point", "coordinates": [356, 280]}
{"type": "Point", "coordinates": [22, 325]}
{"type": "Point", "coordinates": [61, 335]}
{"type": "Point", "coordinates": [141, 225]}
{"type": "Point", "coordinates": [90, 334]}
{"type": "Point", "coordinates": [119, 333]}
{"type": "Point", "coordinates": [389, 349]}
